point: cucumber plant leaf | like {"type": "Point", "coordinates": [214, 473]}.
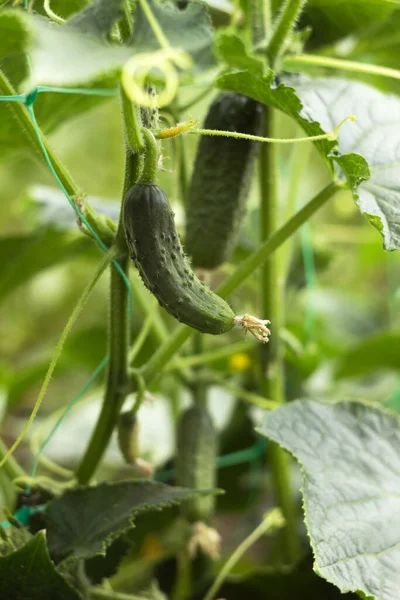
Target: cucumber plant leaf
{"type": "Point", "coordinates": [331, 21]}
{"type": "Point", "coordinates": [349, 453]}
{"type": "Point", "coordinates": [84, 521]}
{"type": "Point", "coordinates": [374, 135]}
{"type": "Point", "coordinates": [29, 573]}
{"type": "Point", "coordinates": [189, 29]}
{"type": "Point", "coordinates": [286, 99]}
{"type": "Point", "coordinates": [23, 257]}
{"type": "Point", "coordinates": [98, 18]}
{"type": "Point", "coordinates": [380, 351]}
{"type": "Point", "coordinates": [232, 50]}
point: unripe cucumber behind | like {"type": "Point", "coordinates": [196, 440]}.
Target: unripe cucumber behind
{"type": "Point", "coordinates": [157, 252]}
{"type": "Point", "coordinates": [195, 460]}
{"type": "Point", "coordinates": [221, 180]}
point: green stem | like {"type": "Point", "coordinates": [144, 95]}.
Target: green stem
{"type": "Point", "coordinates": [267, 14]}
{"type": "Point", "coordinates": [148, 175]}
{"type": "Point", "coordinates": [199, 385]}
{"type": "Point", "coordinates": [286, 21]}
{"type": "Point", "coordinates": [247, 396]}
{"type": "Point", "coordinates": [206, 358]}
{"type": "Point", "coordinates": [257, 258]}
{"type": "Point", "coordinates": [339, 63]}
{"type": "Point", "coordinates": [118, 341]}
{"type": "Point", "coordinates": [271, 355]}
{"type": "Point", "coordinates": [132, 124]}
{"type": "Point", "coordinates": [11, 467]}
{"type": "Point", "coordinates": [272, 520]}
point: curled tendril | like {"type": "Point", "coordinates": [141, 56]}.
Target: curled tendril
{"type": "Point", "coordinates": [51, 14]}
{"type": "Point", "coordinates": [137, 69]}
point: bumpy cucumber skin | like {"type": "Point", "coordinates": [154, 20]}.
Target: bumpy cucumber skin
{"type": "Point", "coordinates": [158, 254]}
{"type": "Point", "coordinates": [221, 180]}
{"type": "Point", "coordinates": [195, 460]}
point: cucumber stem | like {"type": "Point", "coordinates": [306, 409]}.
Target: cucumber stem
{"type": "Point", "coordinates": [118, 342]}
{"type": "Point", "coordinates": [271, 355]}
{"type": "Point", "coordinates": [151, 159]}
{"type": "Point", "coordinates": [283, 28]}
{"type": "Point", "coordinates": [11, 467]}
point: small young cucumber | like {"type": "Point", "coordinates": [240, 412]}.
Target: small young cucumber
{"type": "Point", "coordinates": [128, 432]}
{"type": "Point", "coordinates": [221, 180]}
{"type": "Point", "coordinates": [158, 254]}
{"type": "Point", "coordinates": [195, 460]}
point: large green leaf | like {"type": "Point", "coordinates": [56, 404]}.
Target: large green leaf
{"type": "Point", "coordinates": [99, 17]}
{"type": "Point", "coordinates": [375, 135]}
{"type": "Point", "coordinates": [29, 574]}
{"type": "Point", "coordinates": [15, 33]}
{"type": "Point", "coordinates": [189, 29]}
{"type": "Point", "coordinates": [381, 351]}
{"type": "Point", "coordinates": [233, 52]}
{"type": "Point", "coordinates": [84, 521]}
{"type": "Point", "coordinates": [333, 19]}
{"type": "Point", "coordinates": [285, 99]}
{"type": "Point", "coordinates": [22, 257]}
{"type": "Point", "coordinates": [349, 454]}
{"type": "Point", "coordinates": [297, 583]}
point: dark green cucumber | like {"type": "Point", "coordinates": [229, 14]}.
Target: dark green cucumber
{"type": "Point", "coordinates": [221, 180]}
{"type": "Point", "coordinates": [157, 252]}
{"type": "Point", "coordinates": [195, 460]}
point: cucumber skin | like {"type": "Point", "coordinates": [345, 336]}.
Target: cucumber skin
{"type": "Point", "coordinates": [195, 461]}
{"type": "Point", "coordinates": [158, 254]}
{"type": "Point", "coordinates": [221, 180]}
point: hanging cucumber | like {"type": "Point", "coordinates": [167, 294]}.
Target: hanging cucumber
{"type": "Point", "coordinates": [195, 460]}
{"type": "Point", "coordinates": [157, 252]}
{"type": "Point", "coordinates": [221, 180]}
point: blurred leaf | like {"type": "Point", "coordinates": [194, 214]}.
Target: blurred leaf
{"type": "Point", "coordinates": [29, 574]}
{"type": "Point", "coordinates": [15, 33]}
{"type": "Point", "coordinates": [378, 352]}
{"type": "Point", "coordinates": [299, 582]}
{"type": "Point", "coordinates": [103, 567]}
{"type": "Point", "coordinates": [99, 17]}
{"type": "Point", "coordinates": [189, 29]}
{"type": "Point", "coordinates": [54, 211]}
{"type": "Point", "coordinates": [26, 377]}
{"type": "Point", "coordinates": [349, 454]}
{"type": "Point", "coordinates": [331, 20]}
{"type": "Point", "coordinates": [233, 52]}
{"type": "Point", "coordinates": [88, 58]}
{"type": "Point", "coordinates": [84, 521]}
{"type": "Point", "coordinates": [22, 257]}
{"type": "Point", "coordinates": [375, 136]}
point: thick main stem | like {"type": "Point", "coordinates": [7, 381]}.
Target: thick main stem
{"type": "Point", "coordinates": [118, 350]}
{"type": "Point", "coordinates": [271, 355]}
{"type": "Point", "coordinates": [284, 25]}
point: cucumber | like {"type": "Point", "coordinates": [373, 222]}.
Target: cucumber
{"type": "Point", "coordinates": [128, 432]}
{"type": "Point", "coordinates": [221, 180]}
{"type": "Point", "coordinates": [195, 460]}
{"type": "Point", "coordinates": [157, 252]}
